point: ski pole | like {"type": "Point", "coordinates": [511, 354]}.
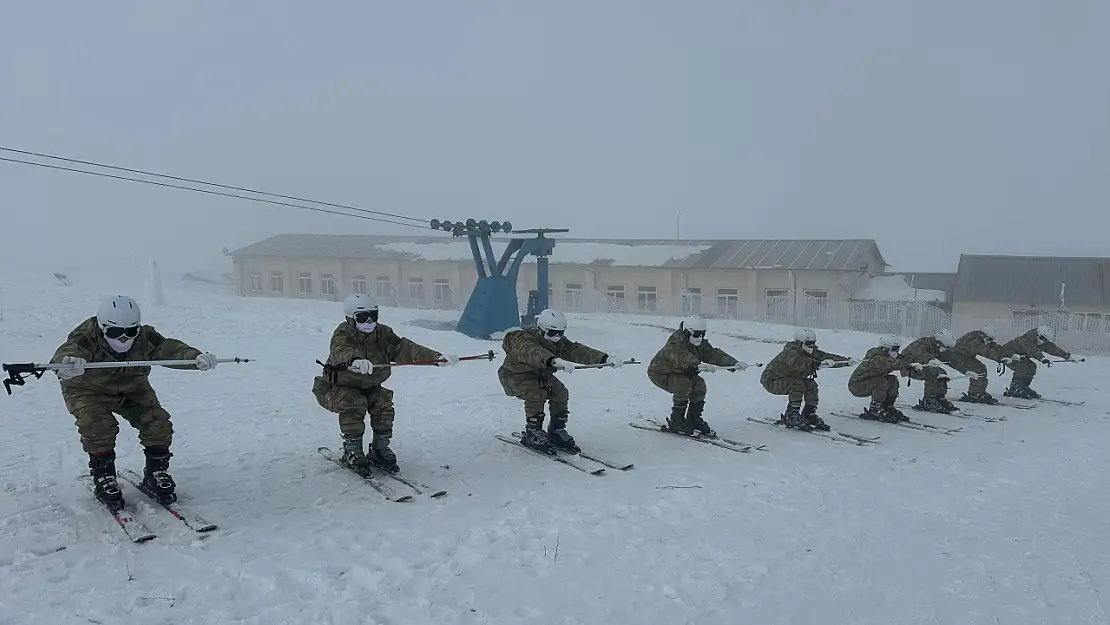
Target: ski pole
{"type": "Point", "coordinates": [16, 371]}
{"type": "Point", "coordinates": [602, 365]}
{"type": "Point", "coordinates": [486, 356]}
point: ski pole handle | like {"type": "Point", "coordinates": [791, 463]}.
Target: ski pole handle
{"type": "Point", "coordinates": [737, 367]}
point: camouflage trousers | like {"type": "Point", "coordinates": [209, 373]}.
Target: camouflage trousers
{"type": "Point", "coordinates": [935, 386]}
{"type": "Point", "coordinates": [536, 391]}
{"type": "Point", "coordinates": [969, 364]}
{"type": "Point", "coordinates": [881, 390]}
{"type": "Point", "coordinates": [96, 418]}
{"type": "Point", "coordinates": [352, 405]}
{"type": "Point", "coordinates": [796, 389]}
{"type": "Point", "coordinates": [1024, 370]}
{"type": "Point", "coordinates": [685, 388]}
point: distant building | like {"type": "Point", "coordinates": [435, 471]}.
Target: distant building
{"type": "Point", "coordinates": [1023, 289]}
{"type": "Point", "coordinates": [716, 278]}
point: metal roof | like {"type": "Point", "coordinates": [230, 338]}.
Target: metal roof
{"type": "Point", "coordinates": [828, 255]}
{"type": "Point", "coordinates": [1033, 280]}
{"type": "Point", "coordinates": [930, 281]}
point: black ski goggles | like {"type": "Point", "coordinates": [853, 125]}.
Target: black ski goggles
{"type": "Point", "coordinates": [554, 332]}
{"type": "Point", "coordinates": [698, 334]}
{"type": "Point", "coordinates": [365, 316]}
{"type": "Point", "coordinates": [116, 332]}
{"type": "Point", "coordinates": [810, 344]}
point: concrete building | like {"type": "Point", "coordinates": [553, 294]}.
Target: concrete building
{"type": "Point", "coordinates": [1023, 289]}
{"type": "Point", "coordinates": [716, 278]}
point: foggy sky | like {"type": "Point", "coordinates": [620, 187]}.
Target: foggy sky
{"type": "Point", "coordinates": [935, 127]}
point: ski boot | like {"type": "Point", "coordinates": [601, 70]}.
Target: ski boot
{"type": "Point", "coordinates": [1021, 390]}
{"type": "Point", "coordinates": [381, 455]}
{"type": "Point", "coordinates": [534, 437]}
{"type": "Point", "coordinates": [696, 423]}
{"type": "Point", "coordinates": [156, 479]}
{"type": "Point", "coordinates": [677, 423]}
{"type": "Point", "coordinates": [558, 435]}
{"type": "Point", "coordinates": [102, 467]}
{"type": "Point", "coordinates": [794, 419]}
{"type": "Point", "coordinates": [879, 413]}
{"type": "Point", "coordinates": [354, 457]}
{"type": "Point", "coordinates": [809, 413]}
{"type": "Point", "coordinates": [889, 407]}
{"type": "Point", "coordinates": [948, 406]}
{"type": "Point", "coordinates": [929, 403]}
{"type": "Point", "coordinates": [980, 398]}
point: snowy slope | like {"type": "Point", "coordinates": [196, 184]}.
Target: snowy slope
{"type": "Point", "coordinates": [1001, 523]}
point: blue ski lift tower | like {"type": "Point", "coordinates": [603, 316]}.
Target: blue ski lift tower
{"type": "Point", "coordinates": [492, 306]}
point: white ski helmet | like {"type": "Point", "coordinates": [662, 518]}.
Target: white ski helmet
{"type": "Point", "coordinates": [805, 335]}
{"type": "Point", "coordinates": [946, 338]}
{"type": "Point", "coordinates": [118, 311]}
{"type": "Point", "coordinates": [1046, 334]}
{"type": "Point", "coordinates": [358, 302]}
{"type": "Point", "coordinates": [694, 327]}
{"type": "Point", "coordinates": [990, 331]}
{"type": "Point", "coordinates": [553, 324]}
{"type": "Point", "coordinates": [890, 341]}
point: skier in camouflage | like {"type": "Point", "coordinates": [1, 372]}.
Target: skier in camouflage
{"type": "Point", "coordinates": [1033, 345]}
{"type": "Point", "coordinates": [925, 358]}
{"type": "Point", "coordinates": [874, 378]}
{"type": "Point", "coordinates": [532, 357]}
{"type": "Point", "coordinates": [351, 384]}
{"type": "Point", "coordinates": [676, 368]}
{"type": "Point", "coordinates": [793, 372]}
{"type": "Point", "coordinates": [964, 357]}
{"type": "Point", "coordinates": [95, 396]}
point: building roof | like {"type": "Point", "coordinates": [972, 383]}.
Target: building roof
{"type": "Point", "coordinates": [831, 255]}
{"type": "Point", "coordinates": [931, 281]}
{"type": "Point", "coordinates": [897, 288]}
{"type": "Point", "coordinates": [1033, 280]}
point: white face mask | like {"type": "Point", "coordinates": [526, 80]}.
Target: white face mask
{"type": "Point", "coordinates": [808, 348]}
{"type": "Point", "coordinates": [366, 327]}
{"type": "Point", "coordinates": [696, 340]}
{"type": "Point", "coordinates": [553, 339]}
{"type": "Point", "coordinates": [118, 346]}
{"type": "Point", "coordinates": [893, 353]}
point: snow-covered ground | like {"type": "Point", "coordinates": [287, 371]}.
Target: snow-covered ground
{"type": "Point", "coordinates": [1003, 522]}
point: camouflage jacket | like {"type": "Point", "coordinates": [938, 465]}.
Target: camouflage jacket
{"type": "Point", "coordinates": [86, 341]}
{"type": "Point", "coordinates": [975, 343]}
{"type": "Point", "coordinates": [527, 353]}
{"type": "Point", "coordinates": [923, 350]}
{"type": "Point", "coordinates": [1029, 345]}
{"type": "Point", "coordinates": [794, 363]}
{"type": "Point", "coordinates": [679, 356]}
{"type": "Point", "coordinates": [380, 347]}
{"type": "Point", "coordinates": [877, 363]}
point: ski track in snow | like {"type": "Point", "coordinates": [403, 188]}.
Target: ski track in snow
{"type": "Point", "coordinates": [1000, 523]}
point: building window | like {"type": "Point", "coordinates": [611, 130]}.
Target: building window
{"type": "Point", "coordinates": [691, 300]}
{"type": "Point", "coordinates": [645, 298]}
{"type": "Point", "coordinates": [304, 284]}
{"type": "Point", "coordinates": [441, 290]}
{"type": "Point", "coordinates": [383, 287]}
{"type": "Point", "coordinates": [775, 304]}
{"type": "Point", "coordinates": [614, 296]}
{"type": "Point", "coordinates": [416, 288]}
{"type": "Point", "coordinates": [277, 282]}
{"type": "Point", "coordinates": [328, 286]}
{"type": "Point", "coordinates": [256, 281]}
{"type": "Point", "coordinates": [728, 303]}
{"type": "Point", "coordinates": [573, 294]}
{"type": "Point", "coordinates": [815, 304]}
{"type": "Point", "coordinates": [358, 284]}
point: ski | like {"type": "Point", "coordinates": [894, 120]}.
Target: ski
{"type": "Point", "coordinates": [657, 427]}
{"type": "Point", "coordinates": [1062, 402]}
{"type": "Point", "coordinates": [191, 520]}
{"type": "Point", "coordinates": [608, 463]}
{"type": "Point", "coordinates": [999, 404]}
{"type": "Point", "coordinates": [711, 439]}
{"type": "Point", "coordinates": [960, 414]}
{"type": "Point", "coordinates": [567, 459]}
{"type": "Point", "coordinates": [374, 482]}
{"type": "Point", "coordinates": [913, 425]}
{"type": "Point", "coordinates": [832, 435]}
{"type": "Point", "coordinates": [419, 487]}
{"type": "Point", "coordinates": [132, 527]}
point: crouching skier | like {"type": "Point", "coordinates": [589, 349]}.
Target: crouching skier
{"type": "Point", "coordinates": [676, 368]}
{"type": "Point", "coordinates": [95, 396]}
{"type": "Point", "coordinates": [925, 358]}
{"type": "Point", "coordinates": [351, 385]}
{"type": "Point", "coordinates": [793, 372]}
{"type": "Point", "coordinates": [1033, 345]}
{"type": "Point", "coordinates": [532, 357]}
{"type": "Point", "coordinates": [874, 378]}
